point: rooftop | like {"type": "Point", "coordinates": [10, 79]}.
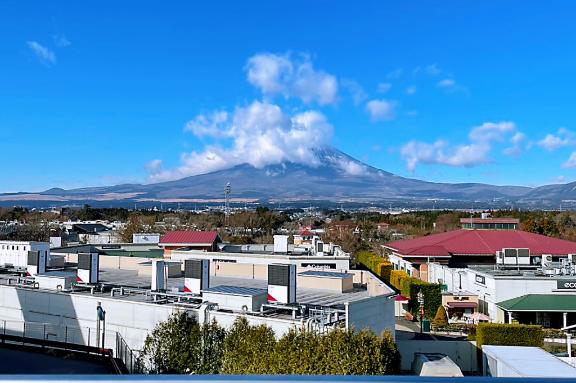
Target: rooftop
{"type": "Point", "coordinates": [541, 302]}
{"type": "Point", "coordinates": [481, 242]}
{"type": "Point", "coordinates": [190, 237]}
{"type": "Point", "coordinates": [131, 280]}
{"type": "Point", "coordinates": [530, 361]}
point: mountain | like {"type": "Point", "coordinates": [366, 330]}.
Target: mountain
{"type": "Point", "coordinates": [333, 176]}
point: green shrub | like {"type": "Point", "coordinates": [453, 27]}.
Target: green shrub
{"type": "Point", "coordinates": [509, 335]}
{"type": "Point", "coordinates": [375, 263]}
{"type": "Point", "coordinates": [410, 287]}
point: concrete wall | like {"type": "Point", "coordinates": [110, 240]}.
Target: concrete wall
{"type": "Point", "coordinates": [375, 313]}
{"type": "Point", "coordinates": [463, 353]}
{"type": "Point", "coordinates": [133, 320]}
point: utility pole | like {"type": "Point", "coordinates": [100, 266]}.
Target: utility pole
{"type": "Point", "coordinates": [227, 191]}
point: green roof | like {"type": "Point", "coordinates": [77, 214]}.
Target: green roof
{"type": "Point", "coordinates": [540, 302]}
{"type": "Point", "coordinates": [156, 253]}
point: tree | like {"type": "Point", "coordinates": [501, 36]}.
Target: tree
{"type": "Point", "coordinates": [181, 346]}
{"type": "Point", "coordinates": [248, 349]}
{"type": "Point", "coordinates": [440, 320]}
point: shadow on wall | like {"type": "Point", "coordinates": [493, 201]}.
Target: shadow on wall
{"type": "Point", "coordinates": [44, 315]}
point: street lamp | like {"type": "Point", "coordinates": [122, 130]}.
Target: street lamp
{"type": "Point", "coordinates": [420, 297]}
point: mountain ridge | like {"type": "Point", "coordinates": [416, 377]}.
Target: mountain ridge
{"type": "Point", "coordinates": [331, 175]}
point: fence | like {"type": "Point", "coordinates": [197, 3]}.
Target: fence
{"type": "Point", "coordinates": [84, 339]}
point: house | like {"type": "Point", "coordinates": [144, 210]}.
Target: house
{"type": "Point", "coordinates": [465, 247]}
{"type": "Point", "coordinates": [191, 240]}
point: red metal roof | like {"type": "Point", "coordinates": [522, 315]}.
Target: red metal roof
{"type": "Point", "coordinates": [401, 298]}
{"type": "Point", "coordinates": [189, 237]}
{"type": "Point", "coordinates": [481, 242]}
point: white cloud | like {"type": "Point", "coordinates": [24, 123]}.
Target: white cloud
{"type": "Point", "coordinates": [384, 87]}
{"type": "Point", "coordinates": [154, 166]}
{"type": "Point", "coordinates": [291, 76]}
{"type": "Point", "coordinates": [61, 41]}
{"type": "Point", "coordinates": [261, 134]}
{"type": "Point", "coordinates": [447, 83]}
{"type": "Point", "coordinates": [380, 110]}
{"type": "Point", "coordinates": [411, 90]}
{"type": "Point", "coordinates": [211, 125]}
{"type": "Point", "coordinates": [571, 162]}
{"type": "Point", "coordinates": [515, 148]}
{"type": "Point", "coordinates": [44, 54]}
{"type": "Point", "coordinates": [474, 153]}
{"type": "Point", "coordinates": [551, 142]}
{"type": "Point", "coordinates": [355, 89]}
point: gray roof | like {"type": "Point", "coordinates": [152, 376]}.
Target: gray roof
{"type": "Point", "coordinates": [235, 290]}
{"type": "Point", "coordinates": [325, 274]}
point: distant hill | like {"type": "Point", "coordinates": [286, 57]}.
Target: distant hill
{"type": "Point", "coordinates": [334, 177]}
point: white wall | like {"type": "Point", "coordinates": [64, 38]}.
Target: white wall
{"type": "Point", "coordinates": [133, 320]}
{"type": "Point", "coordinates": [16, 252]}
{"type": "Point", "coordinates": [375, 313]}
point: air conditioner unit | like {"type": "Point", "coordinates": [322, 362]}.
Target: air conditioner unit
{"type": "Point", "coordinates": [36, 263]}
{"type": "Point", "coordinates": [282, 283]}
{"type": "Point", "coordinates": [546, 261]}
{"type": "Point", "coordinates": [510, 256]}
{"type": "Point", "coordinates": [196, 275]}
{"type": "Point", "coordinates": [87, 268]}
{"type": "Point", "coordinates": [499, 257]}
{"type": "Point", "coordinates": [572, 257]}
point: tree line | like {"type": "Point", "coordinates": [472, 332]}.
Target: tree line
{"type": "Point", "coordinates": [181, 345]}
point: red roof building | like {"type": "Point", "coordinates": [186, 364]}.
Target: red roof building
{"type": "Point", "coordinates": [461, 248]}
{"type": "Point", "coordinates": [198, 240]}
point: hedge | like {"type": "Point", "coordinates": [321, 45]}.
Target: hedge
{"type": "Point", "coordinates": [410, 287]}
{"type": "Point", "coordinates": [375, 263]}
{"type": "Point", "coordinates": [509, 335]}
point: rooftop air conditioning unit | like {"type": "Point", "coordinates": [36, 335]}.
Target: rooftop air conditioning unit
{"type": "Point", "coordinates": [499, 257]}
{"type": "Point", "coordinates": [88, 264]}
{"type": "Point", "coordinates": [282, 283]}
{"type": "Point", "coordinates": [510, 256]}
{"type": "Point", "coordinates": [196, 275]}
{"type": "Point", "coordinates": [36, 262]}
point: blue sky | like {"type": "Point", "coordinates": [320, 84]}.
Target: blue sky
{"type": "Point", "coordinates": [98, 92]}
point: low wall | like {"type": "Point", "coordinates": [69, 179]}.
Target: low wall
{"type": "Point", "coordinates": [463, 353]}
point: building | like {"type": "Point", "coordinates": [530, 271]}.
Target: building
{"type": "Point", "coordinates": [15, 253]}
{"type": "Point", "coordinates": [135, 303]}
{"type": "Point", "coordinates": [486, 223]}
{"type": "Point", "coordinates": [95, 233]}
{"type": "Point", "coordinates": [151, 238]}
{"type": "Point", "coordinates": [544, 296]}
{"type": "Point", "coordinates": [317, 254]}
{"type": "Point", "coordinates": [524, 362]}
{"type": "Point", "coordinates": [190, 240]}
{"type": "Point", "coordinates": [465, 247]}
